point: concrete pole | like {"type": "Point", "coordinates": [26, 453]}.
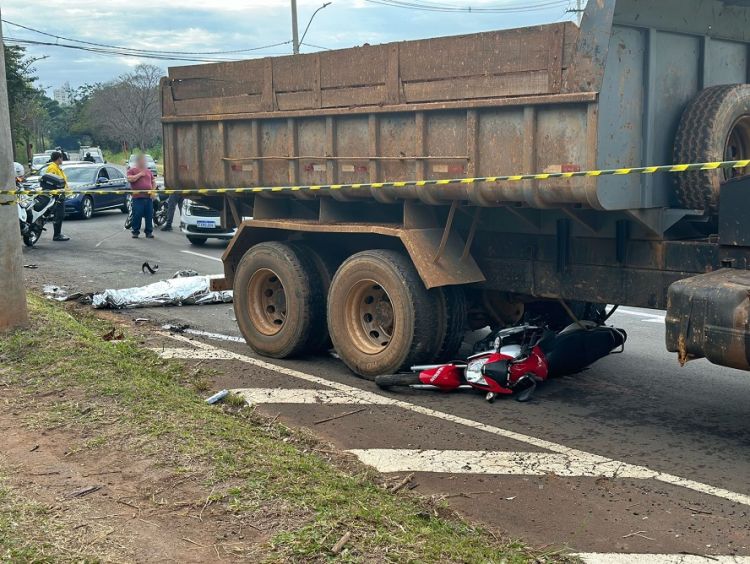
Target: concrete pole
{"type": "Point", "coordinates": [13, 311]}
{"type": "Point", "coordinates": [579, 11]}
{"type": "Point", "coordinates": [295, 28]}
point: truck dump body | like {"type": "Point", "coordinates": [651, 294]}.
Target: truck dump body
{"type": "Point", "coordinates": [507, 102]}
{"type": "Point", "coordinates": [399, 111]}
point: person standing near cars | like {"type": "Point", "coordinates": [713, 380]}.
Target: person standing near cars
{"type": "Point", "coordinates": [141, 178]}
{"type": "Point", "coordinates": [55, 161]}
{"type": "Point", "coordinates": [173, 202]}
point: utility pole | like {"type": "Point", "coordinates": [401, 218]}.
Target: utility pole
{"type": "Point", "coordinates": [13, 312]}
{"type": "Point", "coordinates": [295, 29]}
{"type": "Point", "coordinates": [578, 11]}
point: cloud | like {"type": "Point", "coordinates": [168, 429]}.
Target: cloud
{"type": "Point", "coordinates": [203, 26]}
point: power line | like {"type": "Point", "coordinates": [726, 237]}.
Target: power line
{"type": "Point", "coordinates": [440, 7]}
{"type": "Point", "coordinates": [115, 52]}
{"type": "Point", "coordinates": [317, 46]}
{"type": "Point", "coordinates": [147, 51]}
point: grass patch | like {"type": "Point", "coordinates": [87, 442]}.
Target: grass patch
{"type": "Point", "coordinates": [17, 517]}
{"type": "Point", "coordinates": [251, 464]}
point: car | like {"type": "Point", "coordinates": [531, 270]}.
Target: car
{"type": "Point", "coordinates": [200, 223]}
{"type": "Point", "coordinates": [95, 152]}
{"type": "Point", "coordinates": [150, 163]}
{"type": "Point", "coordinates": [82, 176]}
{"type": "Point", "coordinates": [38, 161]}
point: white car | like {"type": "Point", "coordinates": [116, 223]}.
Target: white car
{"type": "Point", "coordinates": [200, 223]}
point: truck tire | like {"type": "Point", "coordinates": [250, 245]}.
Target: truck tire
{"type": "Point", "coordinates": [380, 315]}
{"type": "Point", "coordinates": [714, 127]}
{"type": "Point", "coordinates": [325, 265]}
{"type": "Point", "coordinates": [278, 300]}
{"type": "Point", "coordinates": [454, 311]}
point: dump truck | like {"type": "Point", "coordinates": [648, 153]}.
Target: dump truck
{"type": "Point", "coordinates": [340, 249]}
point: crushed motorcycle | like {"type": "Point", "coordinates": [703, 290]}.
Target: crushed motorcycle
{"type": "Point", "coordinates": [516, 360]}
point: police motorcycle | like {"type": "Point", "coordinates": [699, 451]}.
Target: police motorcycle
{"type": "Point", "coordinates": [36, 208]}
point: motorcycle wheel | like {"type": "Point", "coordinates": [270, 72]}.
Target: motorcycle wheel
{"type": "Point", "coordinates": [31, 238]}
{"type": "Point", "coordinates": [160, 215]}
{"type": "Point", "coordinates": [397, 380]}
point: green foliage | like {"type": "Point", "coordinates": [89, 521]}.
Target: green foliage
{"type": "Point", "coordinates": [122, 113]}
{"type": "Point", "coordinates": [23, 99]}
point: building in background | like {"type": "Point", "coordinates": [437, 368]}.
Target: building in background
{"type": "Point", "coordinates": [63, 95]}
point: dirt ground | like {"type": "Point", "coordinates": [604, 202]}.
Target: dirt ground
{"type": "Point", "coordinates": [121, 503]}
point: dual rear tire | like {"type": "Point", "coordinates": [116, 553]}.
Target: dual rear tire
{"type": "Point", "coordinates": [291, 300]}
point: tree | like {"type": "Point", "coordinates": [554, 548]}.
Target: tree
{"type": "Point", "coordinates": [31, 119]}
{"type": "Point", "coordinates": [127, 110]}
{"type": "Point", "coordinates": [26, 111]}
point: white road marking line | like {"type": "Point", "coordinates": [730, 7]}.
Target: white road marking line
{"type": "Point", "coordinates": [580, 455]}
{"type": "Point", "coordinates": [108, 237]}
{"type": "Point", "coordinates": [214, 336]}
{"type": "Point", "coordinates": [202, 255]}
{"type": "Point", "coordinates": [489, 462]}
{"type": "Point", "coordinates": [194, 354]}
{"type": "Point", "coordinates": [613, 558]}
{"type": "Point", "coordinates": [651, 317]}
{"type": "Point", "coordinates": [280, 395]}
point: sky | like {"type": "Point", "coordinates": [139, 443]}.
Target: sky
{"type": "Point", "coordinates": [210, 26]}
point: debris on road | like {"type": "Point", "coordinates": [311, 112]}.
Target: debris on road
{"type": "Point", "coordinates": [217, 397]}
{"type": "Point", "coordinates": [185, 273]}
{"type": "Point", "coordinates": [60, 294]}
{"type": "Point", "coordinates": [146, 267]}
{"type": "Point", "coordinates": [176, 328]}
{"type": "Point", "coordinates": [340, 416]}
{"type": "Point", "coordinates": [31, 266]}
{"type": "Point", "coordinates": [403, 483]}
{"type": "Point", "coordinates": [55, 292]}
{"type": "Point", "coordinates": [177, 291]}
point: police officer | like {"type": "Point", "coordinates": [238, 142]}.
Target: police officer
{"type": "Point", "coordinates": [56, 159]}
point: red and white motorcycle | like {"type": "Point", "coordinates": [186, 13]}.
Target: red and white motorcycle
{"type": "Point", "coordinates": [519, 359]}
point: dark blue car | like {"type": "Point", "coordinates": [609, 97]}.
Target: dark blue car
{"type": "Point", "coordinates": [90, 176]}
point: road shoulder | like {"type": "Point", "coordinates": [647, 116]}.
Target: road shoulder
{"type": "Point", "coordinates": [113, 453]}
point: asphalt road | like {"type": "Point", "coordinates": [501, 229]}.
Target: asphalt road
{"type": "Point", "coordinates": [638, 408]}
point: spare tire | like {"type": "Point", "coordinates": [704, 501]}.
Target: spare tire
{"type": "Point", "coordinates": [714, 127]}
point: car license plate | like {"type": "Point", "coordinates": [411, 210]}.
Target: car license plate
{"type": "Point", "coordinates": [205, 224]}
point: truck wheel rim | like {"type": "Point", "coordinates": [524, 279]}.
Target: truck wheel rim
{"type": "Point", "coordinates": [267, 302]}
{"type": "Point", "coordinates": [738, 145]}
{"type": "Point", "coordinates": [369, 316]}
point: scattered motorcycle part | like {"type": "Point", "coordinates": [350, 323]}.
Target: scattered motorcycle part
{"type": "Point", "coordinates": [217, 397]}
{"type": "Point", "coordinates": [151, 269]}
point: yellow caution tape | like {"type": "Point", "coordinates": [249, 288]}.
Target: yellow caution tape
{"type": "Point", "coordinates": [678, 168]}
